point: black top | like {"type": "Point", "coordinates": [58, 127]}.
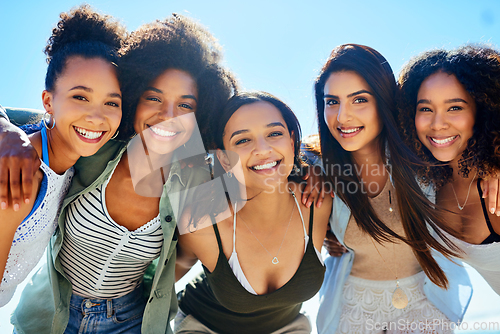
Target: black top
{"type": "Point", "coordinates": [494, 236]}
{"type": "Point", "coordinates": [220, 302]}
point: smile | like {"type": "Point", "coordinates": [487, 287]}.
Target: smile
{"type": "Point", "coordinates": [161, 132]}
{"type": "Point", "coordinates": [269, 165]}
{"type": "Point", "coordinates": [350, 132]}
{"type": "Point", "coordinates": [87, 133]}
{"type": "Point", "coordinates": [442, 142]}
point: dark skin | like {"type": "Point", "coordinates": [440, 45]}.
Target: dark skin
{"type": "Point", "coordinates": [19, 163]}
{"type": "Point", "coordinates": [124, 204]}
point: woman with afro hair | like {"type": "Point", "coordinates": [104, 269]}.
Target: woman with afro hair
{"type": "Point", "coordinates": [111, 262]}
{"type": "Point", "coordinates": [450, 117]}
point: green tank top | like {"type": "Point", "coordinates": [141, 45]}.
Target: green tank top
{"type": "Point", "coordinates": [220, 302]}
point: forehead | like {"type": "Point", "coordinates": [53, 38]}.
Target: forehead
{"type": "Point", "coordinates": [345, 82]}
{"type": "Point", "coordinates": [442, 84]}
{"type": "Point", "coordinates": [173, 80]}
{"type": "Point", "coordinates": [253, 116]}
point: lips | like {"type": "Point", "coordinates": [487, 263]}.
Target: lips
{"type": "Point", "coordinates": [162, 132]}
{"type": "Point", "coordinates": [442, 141]}
{"type": "Point", "coordinates": [266, 166]}
{"type": "Point", "coordinates": [347, 132]}
{"type": "Point", "coordinates": [89, 135]}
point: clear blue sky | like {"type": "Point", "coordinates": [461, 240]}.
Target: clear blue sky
{"type": "Point", "coordinates": [274, 45]}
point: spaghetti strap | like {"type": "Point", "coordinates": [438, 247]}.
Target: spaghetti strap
{"type": "Point", "coordinates": [483, 204]}
{"type": "Point", "coordinates": [311, 219]}
{"type": "Point", "coordinates": [300, 212]}
{"type": "Point", "coordinates": [216, 230]}
{"type": "Point", "coordinates": [45, 150]}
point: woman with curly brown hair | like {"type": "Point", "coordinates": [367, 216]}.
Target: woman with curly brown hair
{"type": "Point", "coordinates": [390, 278]}
{"type": "Point", "coordinates": [116, 228]}
{"type": "Point", "coordinates": [82, 99]}
{"type": "Point", "coordinates": [450, 117]}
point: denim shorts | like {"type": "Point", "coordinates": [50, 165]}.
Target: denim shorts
{"type": "Point", "coordinates": [110, 316]}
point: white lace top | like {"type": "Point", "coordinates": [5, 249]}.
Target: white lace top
{"type": "Point", "coordinates": [34, 233]}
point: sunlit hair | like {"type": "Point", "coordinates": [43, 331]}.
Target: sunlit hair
{"type": "Point", "coordinates": [174, 43]}
{"type": "Point", "coordinates": [477, 68]}
{"type": "Point", "coordinates": [415, 209]}
{"type": "Point", "coordinates": [85, 33]}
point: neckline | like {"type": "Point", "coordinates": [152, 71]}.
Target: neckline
{"type": "Point", "coordinates": [223, 261]}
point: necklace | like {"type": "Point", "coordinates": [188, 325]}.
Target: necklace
{"type": "Point", "coordinates": [461, 207]}
{"type": "Point", "coordinates": [399, 297]}
{"type": "Point", "coordinates": [275, 258]}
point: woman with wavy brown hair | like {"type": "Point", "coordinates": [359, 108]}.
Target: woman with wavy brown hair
{"type": "Point", "coordinates": [380, 213]}
{"type": "Point", "coordinates": [450, 117]}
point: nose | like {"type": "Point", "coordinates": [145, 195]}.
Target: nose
{"type": "Point", "coordinates": [439, 121]}
{"type": "Point", "coordinates": [167, 112]}
{"type": "Point", "coordinates": [96, 115]}
{"type": "Point", "coordinates": [262, 147]}
{"type": "Point", "coordinates": [344, 113]}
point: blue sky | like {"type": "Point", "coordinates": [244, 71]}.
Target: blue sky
{"type": "Point", "coordinates": [276, 46]}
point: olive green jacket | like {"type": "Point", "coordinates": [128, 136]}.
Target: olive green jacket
{"type": "Point", "coordinates": [44, 304]}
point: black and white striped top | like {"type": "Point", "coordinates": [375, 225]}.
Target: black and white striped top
{"type": "Point", "coordinates": [101, 258]}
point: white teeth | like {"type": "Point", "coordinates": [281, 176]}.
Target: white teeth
{"type": "Point", "coordinates": [88, 134]}
{"type": "Point", "coordinates": [350, 130]}
{"type": "Point", "coordinates": [161, 132]}
{"type": "Point", "coordinates": [266, 166]}
{"type": "Point", "coordinates": [443, 141]}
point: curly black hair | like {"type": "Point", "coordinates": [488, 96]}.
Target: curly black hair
{"type": "Point", "coordinates": [174, 43]}
{"type": "Point", "coordinates": [82, 32]}
{"type": "Point", "coordinates": [477, 68]}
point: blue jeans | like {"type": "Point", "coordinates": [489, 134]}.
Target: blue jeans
{"type": "Point", "coordinates": [110, 316]}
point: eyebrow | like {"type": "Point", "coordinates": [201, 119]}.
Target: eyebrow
{"type": "Point", "coordinates": [446, 101]}
{"type": "Point", "coordinates": [90, 90]}
{"type": "Point", "coordinates": [362, 91]}
{"type": "Point", "coordinates": [189, 96]}
{"type": "Point", "coordinates": [270, 125]}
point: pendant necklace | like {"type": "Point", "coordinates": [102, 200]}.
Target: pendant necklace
{"type": "Point", "coordinates": [275, 258]}
{"type": "Point", "coordinates": [461, 207]}
{"type": "Point", "coordinates": [399, 297]}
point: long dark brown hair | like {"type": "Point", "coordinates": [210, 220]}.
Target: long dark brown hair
{"type": "Point", "coordinates": [417, 212]}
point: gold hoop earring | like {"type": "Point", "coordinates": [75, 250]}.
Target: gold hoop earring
{"type": "Point", "coordinates": [47, 124]}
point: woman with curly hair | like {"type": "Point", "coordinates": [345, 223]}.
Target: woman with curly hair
{"type": "Point", "coordinates": [450, 117]}
{"type": "Point", "coordinates": [380, 213]}
{"type": "Point", "coordinates": [82, 99]}
{"type": "Point", "coordinates": [120, 215]}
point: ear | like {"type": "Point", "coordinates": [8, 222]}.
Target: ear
{"type": "Point", "coordinates": [224, 159]}
{"type": "Point", "coordinates": [47, 98]}
{"type": "Point", "coordinates": [292, 141]}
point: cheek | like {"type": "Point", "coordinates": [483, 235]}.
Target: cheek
{"type": "Point", "coordinates": [421, 124]}
{"type": "Point", "coordinates": [330, 118]}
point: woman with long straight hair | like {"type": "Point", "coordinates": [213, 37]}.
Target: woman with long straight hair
{"type": "Point", "coordinates": [380, 213]}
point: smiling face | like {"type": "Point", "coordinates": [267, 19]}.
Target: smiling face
{"type": "Point", "coordinates": [165, 111]}
{"type": "Point", "coordinates": [259, 136]}
{"type": "Point", "coordinates": [86, 104]}
{"type": "Point", "coordinates": [445, 116]}
{"type": "Point", "coordinates": [351, 112]}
